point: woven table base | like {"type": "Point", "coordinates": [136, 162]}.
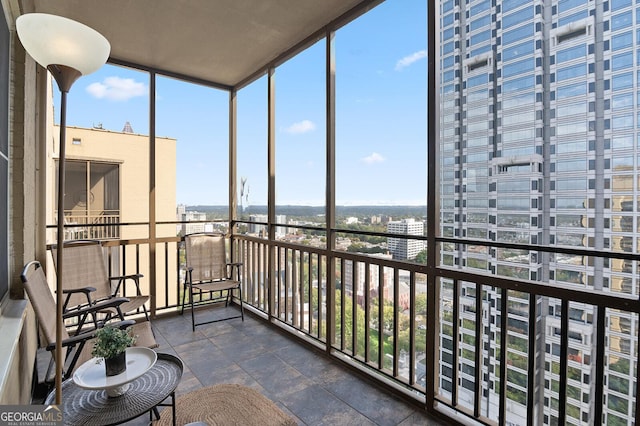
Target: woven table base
{"type": "Point", "coordinates": [225, 405]}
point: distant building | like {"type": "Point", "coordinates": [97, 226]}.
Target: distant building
{"type": "Point", "coordinates": [402, 248]}
{"type": "Point", "coordinates": [191, 216]}
{"type": "Point", "coordinates": [355, 279]}
{"type": "Point", "coordinates": [259, 229]}
{"type": "Point", "coordinates": [351, 220]}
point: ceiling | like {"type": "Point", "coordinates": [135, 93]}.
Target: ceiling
{"type": "Point", "coordinates": [226, 42]}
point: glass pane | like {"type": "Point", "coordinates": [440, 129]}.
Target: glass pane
{"type": "Point", "coordinates": [192, 167]}
{"type": "Point", "coordinates": [381, 107]}
{"type": "Point", "coordinates": [301, 139]}
{"type": "Point", "coordinates": [252, 163]}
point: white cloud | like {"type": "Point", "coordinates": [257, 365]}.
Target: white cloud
{"type": "Point", "coordinates": [117, 89]}
{"type": "Point", "coordinates": [373, 158]}
{"type": "Point", "coordinates": [303, 126]}
{"type": "Point", "coordinates": [410, 59]}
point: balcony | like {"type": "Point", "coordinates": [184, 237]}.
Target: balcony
{"type": "Point", "coordinates": [301, 309]}
{"type": "Point", "coordinates": [525, 309]}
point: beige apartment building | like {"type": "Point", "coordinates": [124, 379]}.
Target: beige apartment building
{"type": "Point", "coordinates": [107, 182]}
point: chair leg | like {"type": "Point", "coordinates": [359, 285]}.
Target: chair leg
{"type": "Point", "coordinates": [193, 315]}
{"type": "Point", "coordinates": [184, 294]}
{"type": "Point", "coordinates": [146, 313]}
{"type": "Point", "coordinates": [74, 360]}
{"type": "Point", "coordinates": [241, 305]}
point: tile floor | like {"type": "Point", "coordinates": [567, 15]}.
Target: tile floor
{"type": "Point", "coordinates": [302, 381]}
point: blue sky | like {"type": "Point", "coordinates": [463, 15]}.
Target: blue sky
{"type": "Point", "coordinates": [380, 118]}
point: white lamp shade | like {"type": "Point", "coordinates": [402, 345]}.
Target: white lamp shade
{"type": "Point", "coordinates": [54, 40]}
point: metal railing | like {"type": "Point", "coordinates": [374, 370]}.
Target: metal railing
{"type": "Point", "coordinates": [101, 225]}
{"type": "Point", "coordinates": [561, 349]}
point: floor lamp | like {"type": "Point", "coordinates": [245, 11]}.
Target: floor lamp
{"type": "Point", "coordinates": [69, 50]}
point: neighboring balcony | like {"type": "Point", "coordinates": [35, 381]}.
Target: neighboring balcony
{"type": "Point", "coordinates": [102, 226]}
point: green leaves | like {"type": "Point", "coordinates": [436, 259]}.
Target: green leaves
{"type": "Point", "coordinates": [111, 341]}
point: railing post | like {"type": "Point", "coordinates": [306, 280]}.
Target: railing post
{"type": "Point", "coordinates": [330, 201]}
{"type": "Point", "coordinates": [233, 171]}
{"type": "Point", "coordinates": [433, 101]}
{"type": "Point", "coordinates": [271, 192]}
{"type": "Point", "coordinates": [152, 193]}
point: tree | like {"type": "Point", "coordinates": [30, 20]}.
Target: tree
{"type": "Point", "coordinates": [421, 304]}
{"type": "Point", "coordinates": [348, 322]}
{"type": "Point", "coordinates": [420, 340]}
{"type": "Point", "coordinates": [421, 257]}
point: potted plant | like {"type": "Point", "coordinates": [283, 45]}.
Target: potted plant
{"type": "Point", "coordinates": [111, 344]}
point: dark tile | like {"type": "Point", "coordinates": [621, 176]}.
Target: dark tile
{"type": "Point", "coordinates": [230, 374]}
{"type": "Point", "coordinates": [250, 323]}
{"type": "Point", "coordinates": [272, 340]}
{"type": "Point", "coordinates": [179, 337]}
{"type": "Point", "coordinates": [275, 375]}
{"type": "Point", "coordinates": [171, 323]}
{"type": "Point", "coordinates": [370, 401]}
{"type": "Point", "coordinates": [201, 345]}
{"type": "Point", "coordinates": [311, 364]}
{"type": "Point", "coordinates": [237, 346]}
{"type": "Point", "coordinates": [217, 328]}
{"type": "Point", "coordinates": [188, 383]}
{"type": "Point", "coordinates": [421, 419]}
{"type": "Point", "coordinates": [315, 406]}
{"type": "Point", "coordinates": [289, 413]}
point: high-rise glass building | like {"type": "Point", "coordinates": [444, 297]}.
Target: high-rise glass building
{"type": "Point", "coordinates": [539, 146]}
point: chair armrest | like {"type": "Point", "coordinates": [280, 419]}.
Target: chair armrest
{"type": "Point", "coordinates": [188, 277]}
{"type": "Point", "coordinates": [124, 324]}
{"type": "Point", "coordinates": [71, 291]}
{"type": "Point", "coordinates": [111, 303]}
{"type": "Point", "coordinates": [126, 277]}
{"type": "Point", "coordinates": [123, 278]}
{"type": "Point", "coordinates": [85, 290]}
{"type": "Point", "coordinates": [230, 265]}
{"type": "Point", "coordinates": [73, 340]}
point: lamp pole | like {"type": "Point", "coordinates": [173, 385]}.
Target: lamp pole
{"type": "Point", "coordinates": [68, 49]}
{"type": "Point", "coordinates": [65, 79]}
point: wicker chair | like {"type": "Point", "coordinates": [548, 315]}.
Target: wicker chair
{"type": "Point", "coordinates": [44, 305]}
{"type": "Point", "coordinates": [86, 281]}
{"type": "Point", "coordinates": [209, 275]}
